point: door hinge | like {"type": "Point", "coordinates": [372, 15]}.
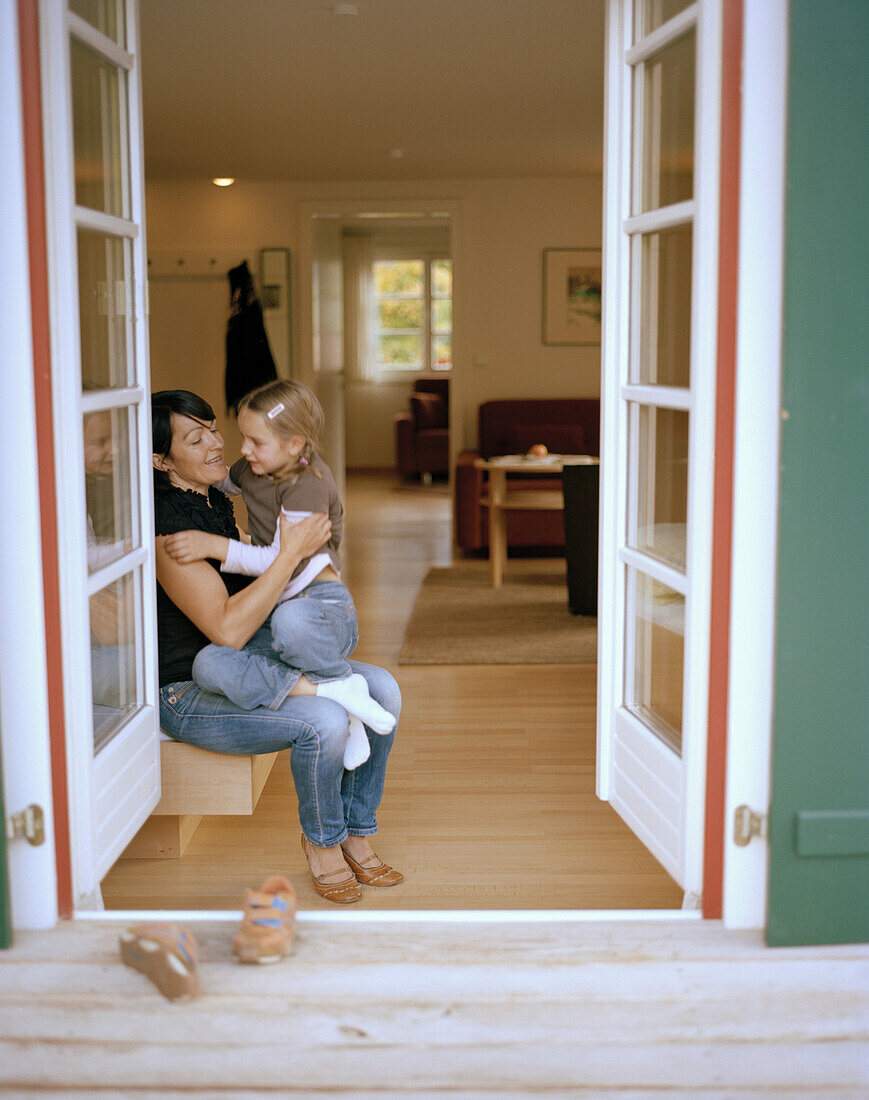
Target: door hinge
{"type": "Point", "coordinates": [746, 824]}
{"type": "Point", "coordinates": [29, 823]}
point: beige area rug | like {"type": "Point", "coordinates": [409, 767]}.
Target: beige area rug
{"type": "Point", "coordinates": [459, 619]}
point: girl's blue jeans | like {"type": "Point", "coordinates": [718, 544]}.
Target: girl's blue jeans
{"type": "Point", "coordinates": [314, 632]}
{"type": "Point", "coordinates": [333, 803]}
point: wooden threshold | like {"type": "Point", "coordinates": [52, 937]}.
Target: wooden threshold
{"type": "Point", "coordinates": [593, 1009]}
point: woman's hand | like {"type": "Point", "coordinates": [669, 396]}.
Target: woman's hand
{"type": "Point", "coordinates": [188, 546]}
{"type": "Point", "coordinates": [302, 539]}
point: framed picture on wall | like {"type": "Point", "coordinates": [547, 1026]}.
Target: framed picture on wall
{"type": "Point", "coordinates": [571, 295]}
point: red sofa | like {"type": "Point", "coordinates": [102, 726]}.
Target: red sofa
{"type": "Point", "coordinates": [564, 425]}
{"type": "Point", "coordinates": [422, 436]}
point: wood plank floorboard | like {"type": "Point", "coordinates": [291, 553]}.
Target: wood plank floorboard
{"type": "Point", "coordinates": [489, 798]}
{"type": "Point", "coordinates": [594, 1009]}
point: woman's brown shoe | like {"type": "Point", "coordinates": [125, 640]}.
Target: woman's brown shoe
{"type": "Point", "coordinates": [343, 892]}
{"type": "Point", "coordinates": [380, 874]}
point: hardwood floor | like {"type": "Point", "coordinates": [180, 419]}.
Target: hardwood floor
{"type": "Point", "coordinates": [490, 798]}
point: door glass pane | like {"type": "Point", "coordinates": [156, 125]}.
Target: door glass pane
{"type": "Point", "coordinates": [104, 309]}
{"type": "Point", "coordinates": [665, 308]}
{"type": "Point", "coordinates": [660, 501]}
{"type": "Point", "coordinates": [115, 648]}
{"type": "Point", "coordinates": [108, 445]}
{"type": "Point", "coordinates": [106, 15]}
{"type": "Point", "coordinates": [100, 176]}
{"type": "Point", "coordinates": [664, 125]}
{"type": "Point", "coordinates": [441, 352]}
{"type": "Point", "coordinates": [651, 14]}
{"type": "Point", "coordinates": [654, 684]}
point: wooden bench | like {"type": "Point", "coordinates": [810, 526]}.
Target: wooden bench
{"type": "Point", "coordinates": [196, 782]}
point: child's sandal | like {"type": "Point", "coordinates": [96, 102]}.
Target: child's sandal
{"type": "Point", "coordinates": [166, 955]}
{"type": "Point", "coordinates": [268, 926]}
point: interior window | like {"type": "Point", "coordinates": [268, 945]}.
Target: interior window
{"type": "Point", "coordinates": [414, 315]}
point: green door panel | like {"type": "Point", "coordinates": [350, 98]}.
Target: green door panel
{"type": "Point", "coordinates": [833, 833]}
{"type": "Point", "coordinates": [819, 857]}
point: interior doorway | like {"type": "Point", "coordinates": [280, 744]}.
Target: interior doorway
{"type": "Point", "coordinates": [340, 349]}
{"type": "Point", "coordinates": [490, 800]}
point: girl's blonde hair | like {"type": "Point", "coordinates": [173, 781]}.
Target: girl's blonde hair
{"type": "Point", "coordinates": [290, 408]}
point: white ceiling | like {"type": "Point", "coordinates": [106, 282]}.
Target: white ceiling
{"type": "Point", "coordinates": [284, 89]}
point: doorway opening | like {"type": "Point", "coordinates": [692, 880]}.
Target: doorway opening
{"type": "Point", "coordinates": [490, 799]}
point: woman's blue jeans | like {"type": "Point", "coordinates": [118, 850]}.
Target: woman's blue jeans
{"type": "Point", "coordinates": [314, 632]}
{"type": "Point", "coordinates": [333, 803]}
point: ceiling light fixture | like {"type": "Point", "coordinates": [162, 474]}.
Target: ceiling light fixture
{"type": "Point", "coordinates": [223, 181]}
{"type": "Point", "coordinates": [395, 154]}
{"type": "Point", "coordinates": [345, 9]}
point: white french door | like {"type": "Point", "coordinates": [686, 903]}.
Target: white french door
{"type": "Point", "coordinates": [661, 249]}
{"type": "Point", "coordinates": [93, 143]}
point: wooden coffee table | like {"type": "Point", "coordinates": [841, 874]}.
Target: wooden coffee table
{"type": "Point", "coordinates": [500, 501]}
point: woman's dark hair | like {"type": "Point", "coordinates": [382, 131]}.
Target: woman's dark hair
{"type": "Point", "coordinates": [163, 404]}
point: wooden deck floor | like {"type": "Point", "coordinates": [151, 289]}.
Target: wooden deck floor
{"type": "Point", "coordinates": [490, 799]}
{"type": "Point", "coordinates": [455, 1009]}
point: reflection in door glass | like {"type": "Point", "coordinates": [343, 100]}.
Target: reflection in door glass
{"type": "Point", "coordinates": [661, 501]}
{"type": "Point", "coordinates": [108, 494]}
{"type": "Point", "coordinates": [654, 686]}
{"type": "Point", "coordinates": [114, 656]}
{"type": "Point", "coordinates": [104, 309]}
{"type": "Point", "coordinates": [665, 308]}
{"type": "Point", "coordinates": [101, 175]}
{"type": "Point", "coordinates": [664, 125]}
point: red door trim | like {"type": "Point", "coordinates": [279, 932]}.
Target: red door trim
{"type": "Point", "coordinates": [722, 518]}
{"type": "Point", "coordinates": [34, 170]}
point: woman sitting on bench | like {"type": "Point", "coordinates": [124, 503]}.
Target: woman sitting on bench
{"type": "Point", "coordinates": [197, 604]}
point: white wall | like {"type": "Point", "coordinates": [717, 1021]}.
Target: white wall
{"type": "Point", "coordinates": [505, 225]}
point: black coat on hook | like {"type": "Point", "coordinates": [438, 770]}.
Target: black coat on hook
{"type": "Point", "coordinates": [249, 361]}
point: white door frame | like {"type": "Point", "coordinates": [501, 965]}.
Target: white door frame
{"type": "Point", "coordinates": [26, 761]}
{"type": "Point", "coordinates": [756, 450]}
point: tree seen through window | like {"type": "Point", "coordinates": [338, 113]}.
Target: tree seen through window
{"type": "Point", "coordinates": [414, 314]}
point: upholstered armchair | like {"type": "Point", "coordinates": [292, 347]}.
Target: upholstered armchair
{"type": "Point", "coordinates": [422, 438]}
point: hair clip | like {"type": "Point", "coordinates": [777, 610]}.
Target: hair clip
{"type": "Point", "coordinates": [276, 411]}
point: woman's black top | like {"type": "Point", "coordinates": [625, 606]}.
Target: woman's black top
{"type": "Point", "coordinates": [178, 640]}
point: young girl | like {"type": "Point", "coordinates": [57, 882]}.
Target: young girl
{"type": "Point", "coordinates": [313, 625]}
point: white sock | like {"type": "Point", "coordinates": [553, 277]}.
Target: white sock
{"type": "Point", "coordinates": [358, 750]}
{"type": "Point", "coordinates": [352, 694]}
